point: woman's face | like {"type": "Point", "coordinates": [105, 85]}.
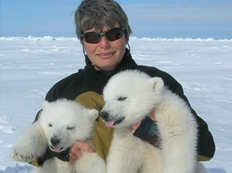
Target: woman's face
{"type": "Point", "coordinates": [105, 55]}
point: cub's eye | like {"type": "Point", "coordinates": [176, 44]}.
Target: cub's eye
{"type": "Point", "coordinates": [121, 98]}
{"type": "Point", "coordinates": [70, 128]}
{"type": "Point", "coordinates": [50, 125]}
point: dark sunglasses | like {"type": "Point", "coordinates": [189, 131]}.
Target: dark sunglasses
{"type": "Point", "coordinates": [111, 35]}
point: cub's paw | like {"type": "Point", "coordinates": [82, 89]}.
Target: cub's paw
{"type": "Point", "coordinates": [24, 153]}
{"type": "Point", "coordinates": [22, 157]}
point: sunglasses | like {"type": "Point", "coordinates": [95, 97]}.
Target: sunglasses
{"type": "Point", "coordinates": [111, 35]}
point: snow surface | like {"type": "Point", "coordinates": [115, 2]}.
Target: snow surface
{"type": "Point", "coordinates": [29, 66]}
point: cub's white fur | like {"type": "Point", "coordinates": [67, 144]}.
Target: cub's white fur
{"type": "Point", "coordinates": [130, 96]}
{"type": "Point", "coordinates": [60, 124]}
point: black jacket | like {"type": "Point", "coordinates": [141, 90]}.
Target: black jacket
{"type": "Point", "coordinates": [86, 87]}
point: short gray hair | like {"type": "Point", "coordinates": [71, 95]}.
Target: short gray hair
{"type": "Point", "coordinates": [99, 14]}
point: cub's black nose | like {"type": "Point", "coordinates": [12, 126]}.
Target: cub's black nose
{"type": "Point", "coordinates": [55, 141]}
{"type": "Point", "coordinates": [104, 114]}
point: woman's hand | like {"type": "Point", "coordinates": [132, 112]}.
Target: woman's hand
{"type": "Point", "coordinates": [151, 115]}
{"type": "Point", "coordinates": [75, 151]}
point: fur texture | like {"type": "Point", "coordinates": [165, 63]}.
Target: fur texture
{"type": "Point", "coordinates": [60, 124]}
{"type": "Point", "coordinates": [130, 96]}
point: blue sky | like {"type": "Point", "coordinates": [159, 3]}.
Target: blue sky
{"type": "Point", "coordinates": [148, 18]}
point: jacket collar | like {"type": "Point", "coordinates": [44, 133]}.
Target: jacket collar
{"type": "Point", "coordinates": [126, 63]}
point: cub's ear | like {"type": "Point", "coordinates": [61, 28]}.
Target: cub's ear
{"type": "Point", "coordinates": [45, 104]}
{"type": "Point", "coordinates": [93, 113]}
{"type": "Point", "coordinates": [157, 83]}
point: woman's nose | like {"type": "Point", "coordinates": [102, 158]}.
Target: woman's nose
{"type": "Point", "coordinates": [104, 43]}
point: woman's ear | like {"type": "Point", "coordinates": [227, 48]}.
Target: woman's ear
{"type": "Point", "coordinates": [126, 36]}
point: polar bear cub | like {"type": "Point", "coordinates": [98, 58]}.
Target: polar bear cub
{"type": "Point", "coordinates": [130, 96]}
{"type": "Point", "coordinates": [59, 125]}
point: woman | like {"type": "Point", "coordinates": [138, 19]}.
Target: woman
{"type": "Point", "coordinates": [103, 30]}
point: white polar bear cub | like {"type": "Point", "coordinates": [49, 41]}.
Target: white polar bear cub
{"type": "Point", "coordinates": [60, 124]}
{"type": "Point", "coordinates": [130, 96]}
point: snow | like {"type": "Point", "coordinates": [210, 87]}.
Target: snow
{"type": "Point", "coordinates": [29, 67]}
